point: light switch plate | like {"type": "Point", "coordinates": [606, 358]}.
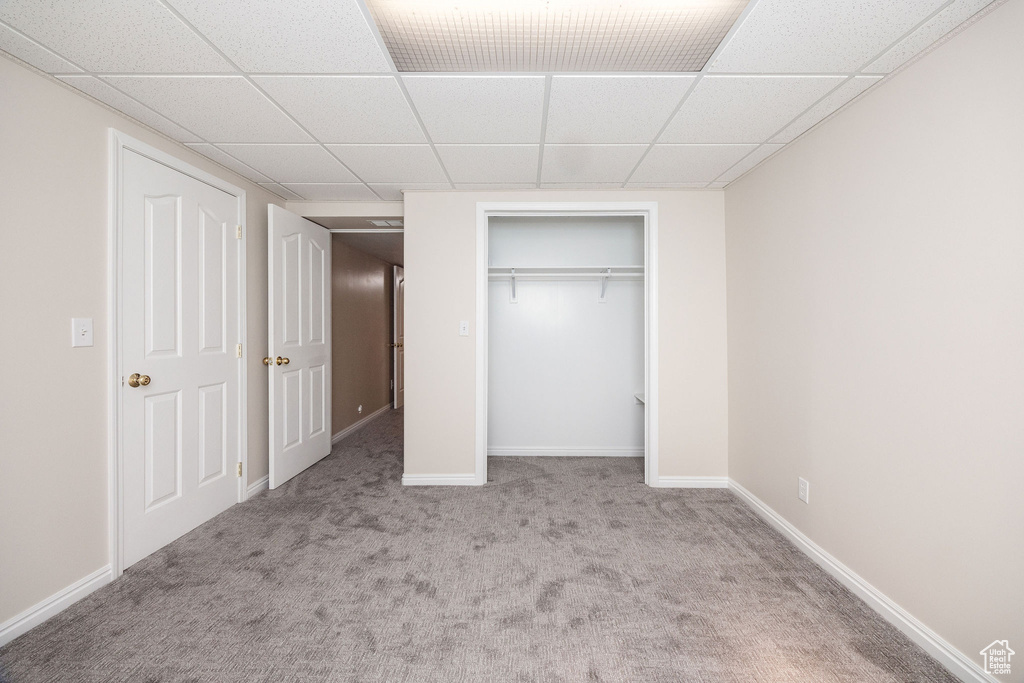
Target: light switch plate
{"type": "Point", "coordinates": [463, 328]}
{"type": "Point", "coordinates": [81, 332]}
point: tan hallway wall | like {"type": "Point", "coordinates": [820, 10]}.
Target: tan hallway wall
{"type": "Point", "coordinates": [876, 335]}
{"type": "Point", "coordinates": [53, 265]}
{"type": "Point", "coordinates": [440, 274]}
{"type": "Point", "coordinates": [361, 331]}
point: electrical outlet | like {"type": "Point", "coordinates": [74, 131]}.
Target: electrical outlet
{"type": "Point", "coordinates": [359, 410]}
{"type": "Point", "coordinates": [805, 490]}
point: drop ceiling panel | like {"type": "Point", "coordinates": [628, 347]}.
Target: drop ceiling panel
{"type": "Point", "coordinates": [300, 36]}
{"type": "Point", "coordinates": [333, 192]}
{"type": "Point", "coordinates": [114, 35]}
{"type": "Point", "coordinates": [748, 162]}
{"type": "Point", "coordinates": [280, 191]}
{"type": "Point", "coordinates": [479, 109]}
{"type": "Point", "coordinates": [538, 35]}
{"type": "Point", "coordinates": [490, 163]}
{"type": "Point", "coordinates": [289, 164]}
{"type": "Point", "coordinates": [108, 95]}
{"type": "Point", "coordinates": [603, 109]}
{"type": "Point", "coordinates": [494, 187]}
{"type": "Point", "coordinates": [688, 163]}
{"type": "Point", "coordinates": [819, 36]}
{"type": "Point", "coordinates": [666, 186]}
{"type": "Point", "coordinates": [32, 52]}
{"type": "Point", "coordinates": [393, 192]}
{"type": "Point", "coordinates": [391, 163]}
{"type": "Point", "coordinates": [936, 27]}
{"type": "Point", "coordinates": [580, 186]}
{"type": "Point", "coordinates": [346, 108]}
{"type": "Point", "coordinates": [589, 163]}
{"type": "Point", "coordinates": [228, 161]}
{"type": "Point", "coordinates": [836, 99]}
{"type": "Point", "coordinates": [217, 108]}
{"type": "Point", "coordinates": [741, 109]}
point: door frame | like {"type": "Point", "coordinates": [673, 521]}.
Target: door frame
{"type": "Point", "coordinates": [394, 335]}
{"type": "Point", "coordinates": [118, 142]}
{"type": "Point", "coordinates": [649, 212]}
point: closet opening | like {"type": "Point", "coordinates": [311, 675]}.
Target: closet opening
{"type": "Point", "coordinates": [566, 345]}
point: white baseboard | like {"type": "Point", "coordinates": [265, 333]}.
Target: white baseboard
{"type": "Point", "coordinates": [959, 664]}
{"type": "Point", "coordinates": [261, 484]}
{"type": "Point", "coordinates": [439, 480]}
{"type": "Point", "coordinates": [59, 601]}
{"type": "Point", "coordinates": [359, 425]}
{"type": "Point", "coordinates": [693, 482]}
{"type": "Point", "coordinates": [570, 452]}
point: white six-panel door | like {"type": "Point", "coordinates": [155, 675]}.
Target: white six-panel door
{"type": "Point", "coordinates": [299, 360]}
{"type": "Point", "coordinates": [180, 329]}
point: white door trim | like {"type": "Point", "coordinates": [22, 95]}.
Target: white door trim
{"type": "Point", "coordinates": [118, 143]}
{"type": "Point", "coordinates": [649, 212]}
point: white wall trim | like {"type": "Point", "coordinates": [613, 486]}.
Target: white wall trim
{"type": "Point", "coordinates": [118, 143]}
{"type": "Point", "coordinates": [553, 451]}
{"type": "Point", "coordinates": [649, 212]}
{"type": "Point", "coordinates": [59, 601]}
{"type": "Point", "coordinates": [693, 482]}
{"type": "Point", "coordinates": [957, 662]}
{"type": "Point", "coordinates": [356, 426]}
{"type": "Point", "coordinates": [439, 479]}
{"type": "Point", "coordinates": [261, 484]}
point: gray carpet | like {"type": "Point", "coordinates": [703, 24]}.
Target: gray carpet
{"type": "Point", "coordinates": [560, 569]}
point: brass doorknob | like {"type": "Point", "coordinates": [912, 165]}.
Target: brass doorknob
{"type": "Point", "coordinates": [137, 380]}
{"type": "Point", "coordinates": [282, 361]}
{"type": "Point", "coordinates": [268, 360]}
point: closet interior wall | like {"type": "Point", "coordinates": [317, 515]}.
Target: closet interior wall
{"type": "Point", "coordinates": [566, 335]}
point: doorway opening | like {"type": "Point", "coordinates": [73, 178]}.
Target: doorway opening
{"type": "Point", "coordinates": [567, 343]}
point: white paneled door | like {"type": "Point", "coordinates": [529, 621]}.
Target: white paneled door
{"type": "Point", "coordinates": [300, 344]}
{"type": "Point", "coordinates": [398, 345]}
{"type": "Point", "coordinates": [180, 367]}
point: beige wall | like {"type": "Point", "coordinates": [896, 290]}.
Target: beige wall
{"type": "Point", "coordinates": [876, 335]}
{"type": "Point", "coordinates": [361, 331]}
{"type": "Point", "coordinates": [53, 265]}
{"type": "Point", "coordinates": [440, 271]}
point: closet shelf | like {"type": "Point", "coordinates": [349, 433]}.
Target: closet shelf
{"type": "Point", "coordinates": [602, 273]}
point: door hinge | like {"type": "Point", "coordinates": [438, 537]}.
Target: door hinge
{"type": "Point", "coordinates": [239, 350]}
{"type": "Point", "coordinates": [239, 232]}
{"type": "Point", "coordinates": [239, 469]}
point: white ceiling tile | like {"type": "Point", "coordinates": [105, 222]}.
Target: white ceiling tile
{"type": "Point", "coordinates": [217, 108]}
{"type": "Point", "coordinates": [488, 187]}
{"type": "Point", "coordinates": [346, 108]}
{"type": "Point", "coordinates": [738, 109]}
{"type": "Point", "coordinates": [589, 163]}
{"type": "Point", "coordinates": [479, 109]}
{"type": "Point", "coordinates": [823, 36]}
{"type": "Point", "coordinates": [933, 29]}
{"type": "Point", "coordinates": [490, 163]}
{"type": "Point", "coordinates": [29, 51]}
{"type": "Point", "coordinates": [580, 186]}
{"type": "Point", "coordinates": [688, 163]}
{"type": "Point", "coordinates": [114, 35]}
{"type": "Point", "coordinates": [108, 95]}
{"type": "Point", "coordinates": [846, 92]}
{"type": "Point", "coordinates": [604, 109]}
{"type": "Point", "coordinates": [391, 163]}
{"type": "Point", "coordinates": [300, 36]}
{"type": "Point", "coordinates": [289, 164]}
{"type": "Point", "coordinates": [748, 162]}
{"type": "Point", "coordinates": [717, 185]}
{"type": "Point", "coordinates": [328, 192]}
{"type": "Point", "coordinates": [280, 190]}
{"type": "Point", "coordinates": [668, 186]}
{"type": "Point", "coordinates": [393, 192]}
{"type": "Point", "coordinates": [228, 161]}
